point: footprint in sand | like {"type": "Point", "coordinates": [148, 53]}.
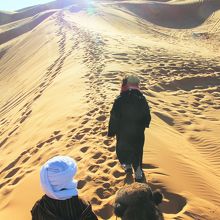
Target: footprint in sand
{"type": "Point", "coordinates": [107, 142]}
{"type": "Point", "coordinates": [13, 164]}
{"type": "Point", "coordinates": [54, 137]}
{"type": "Point", "coordinates": [101, 160]}
{"type": "Point", "coordinates": [4, 183]}
{"type": "Point", "coordinates": [101, 118]}
{"type": "Point", "coordinates": [17, 180]}
{"type": "Point", "coordinates": [112, 164]}
{"type": "Point", "coordinates": [93, 168]}
{"type": "Point", "coordinates": [111, 149]}
{"type": "Point", "coordinates": [97, 155]}
{"type": "Point", "coordinates": [3, 142]}
{"type": "Point", "coordinates": [81, 184]}
{"type": "Point", "coordinates": [79, 136]}
{"type": "Point", "coordinates": [12, 172]}
{"type": "Point", "coordinates": [84, 149]}
{"type": "Point", "coordinates": [103, 193]}
{"type": "Point", "coordinates": [117, 174]}
{"type": "Point", "coordinates": [25, 116]}
{"type": "Point", "coordinates": [96, 201]}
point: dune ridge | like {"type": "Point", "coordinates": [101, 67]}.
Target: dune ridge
{"type": "Point", "coordinates": [174, 15]}
{"type": "Point", "coordinates": [8, 17]}
{"type": "Point", "coordinates": [60, 70]}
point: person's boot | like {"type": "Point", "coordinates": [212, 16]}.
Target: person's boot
{"type": "Point", "coordinates": [138, 174]}
{"type": "Point", "coordinates": [127, 168]}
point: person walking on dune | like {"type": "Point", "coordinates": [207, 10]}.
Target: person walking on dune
{"type": "Point", "coordinates": [129, 117]}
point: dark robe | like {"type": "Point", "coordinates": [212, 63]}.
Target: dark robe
{"type": "Point", "coordinates": [70, 209]}
{"type": "Point", "coordinates": [130, 115]}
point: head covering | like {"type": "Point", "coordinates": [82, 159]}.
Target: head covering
{"type": "Point", "coordinates": [130, 82]}
{"type": "Point", "coordinates": [56, 178]}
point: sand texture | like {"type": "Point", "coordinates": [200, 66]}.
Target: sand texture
{"type": "Point", "coordinates": [61, 67]}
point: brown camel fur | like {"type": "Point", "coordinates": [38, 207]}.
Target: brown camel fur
{"type": "Point", "coordinates": [138, 202]}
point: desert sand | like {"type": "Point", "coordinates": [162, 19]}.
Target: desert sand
{"type": "Point", "coordinates": [61, 66]}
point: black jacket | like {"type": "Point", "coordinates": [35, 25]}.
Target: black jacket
{"type": "Point", "coordinates": [130, 115]}
{"type": "Point", "coordinates": [70, 209]}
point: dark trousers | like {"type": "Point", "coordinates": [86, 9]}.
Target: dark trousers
{"type": "Point", "coordinates": [130, 153]}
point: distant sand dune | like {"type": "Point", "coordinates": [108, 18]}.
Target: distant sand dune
{"type": "Point", "coordinates": [179, 16]}
{"type": "Point", "coordinates": [17, 31]}
{"type": "Point", "coordinates": [7, 17]}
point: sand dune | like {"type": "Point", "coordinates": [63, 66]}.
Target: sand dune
{"type": "Point", "coordinates": [8, 17]}
{"type": "Point", "coordinates": [60, 71]}
{"type": "Point", "coordinates": [174, 14]}
{"type": "Point", "coordinates": [19, 30]}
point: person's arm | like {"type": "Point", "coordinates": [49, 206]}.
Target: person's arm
{"type": "Point", "coordinates": [147, 114]}
{"type": "Point", "coordinates": [114, 119]}
{"type": "Point", "coordinates": [87, 213]}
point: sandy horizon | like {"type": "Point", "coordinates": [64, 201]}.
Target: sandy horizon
{"type": "Point", "coordinates": [61, 67]}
